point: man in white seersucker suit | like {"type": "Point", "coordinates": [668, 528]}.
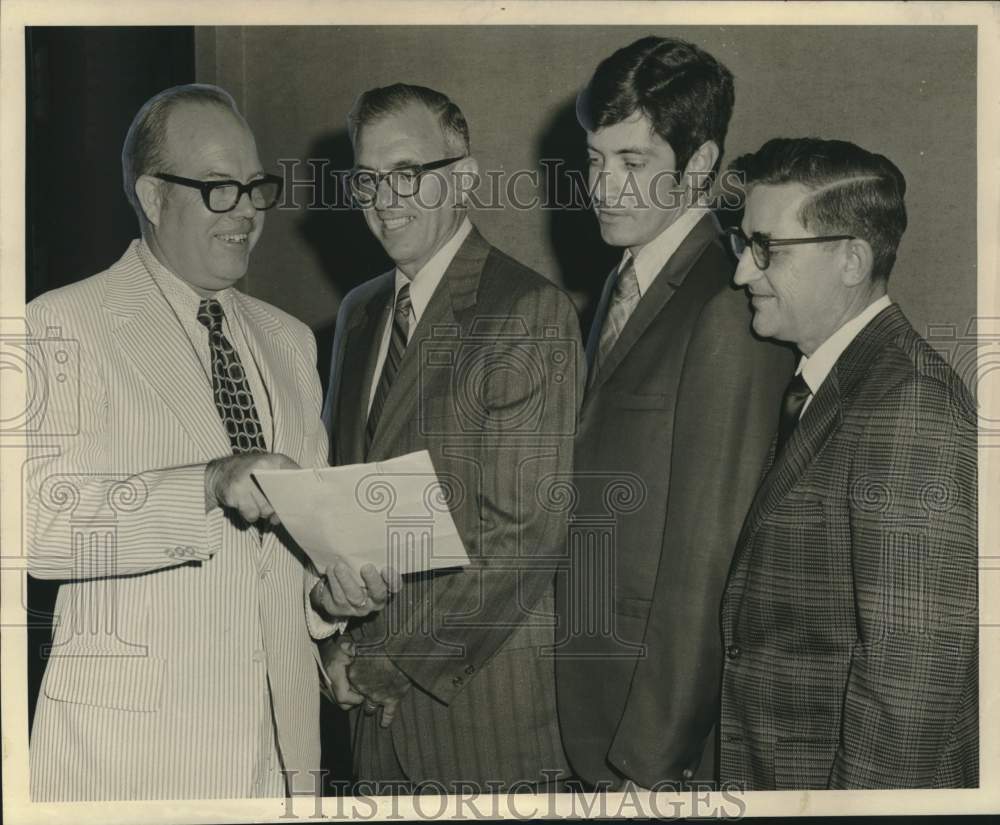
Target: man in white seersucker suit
{"type": "Point", "coordinates": [183, 662]}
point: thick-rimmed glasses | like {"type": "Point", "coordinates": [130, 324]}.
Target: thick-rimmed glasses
{"type": "Point", "coordinates": [760, 245]}
{"type": "Point", "coordinates": [404, 181]}
{"type": "Point", "coordinates": [223, 195]}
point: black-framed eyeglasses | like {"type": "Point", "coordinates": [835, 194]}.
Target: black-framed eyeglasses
{"type": "Point", "coordinates": [404, 181]}
{"type": "Point", "coordinates": [760, 245]}
{"type": "Point", "coordinates": [223, 195]}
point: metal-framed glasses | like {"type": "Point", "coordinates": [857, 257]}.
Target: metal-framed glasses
{"type": "Point", "coordinates": [403, 181]}
{"type": "Point", "coordinates": [223, 195]}
{"type": "Point", "coordinates": [760, 245]}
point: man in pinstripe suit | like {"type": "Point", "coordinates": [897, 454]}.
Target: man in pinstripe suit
{"type": "Point", "coordinates": [850, 618]}
{"type": "Point", "coordinates": [182, 664]}
{"type": "Point", "coordinates": [466, 353]}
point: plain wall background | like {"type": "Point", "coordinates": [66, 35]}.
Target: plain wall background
{"type": "Point", "coordinates": [907, 92]}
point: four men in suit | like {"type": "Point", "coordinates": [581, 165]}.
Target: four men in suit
{"type": "Point", "coordinates": [680, 406]}
{"type": "Point", "coordinates": [182, 664]}
{"type": "Point", "coordinates": [462, 351]}
{"type": "Point", "coordinates": [848, 623]}
{"type": "Point", "coordinates": [850, 618]}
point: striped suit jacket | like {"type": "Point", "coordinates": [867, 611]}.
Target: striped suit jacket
{"type": "Point", "coordinates": [172, 626]}
{"type": "Point", "coordinates": [489, 385]}
{"type": "Point", "coordinates": [850, 617]}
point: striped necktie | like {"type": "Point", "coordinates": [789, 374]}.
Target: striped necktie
{"type": "Point", "coordinates": [623, 302]}
{"type": "Point", "coordinates": [393, 358]}
{"type": "Point", "coordinates": [230, 387]}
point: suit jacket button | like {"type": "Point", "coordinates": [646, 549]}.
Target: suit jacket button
{"type": "Point", "coordinates": [470, 670]}
{"type": "Point", "coordinates": [687, 773]}
{"type": "Point", "coordinates": [733, 651]}
{"type": "Point", "coordinates": [457, 681]}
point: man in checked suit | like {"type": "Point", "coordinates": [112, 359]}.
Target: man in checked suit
{"type": "Point", "coordinates": [679, 410]}
{"type": "Point", "coordinates": [181, 664]}
{"type": "Point", "coordinates": [462, 351]}
{"type": "Point", "coordinates": [850, 616]}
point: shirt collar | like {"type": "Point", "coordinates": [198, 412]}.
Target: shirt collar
{"type": "Point", "coordinates": [178, 292]}
{"type": "Point", "coordinates": [816, 367]}
{"type": "Point", "coordinates": [654, 255]}
{"type": "Point", "coordinates": [423, 284]}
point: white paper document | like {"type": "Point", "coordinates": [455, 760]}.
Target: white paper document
{"type": "Point", "coordinates": [392, 512]}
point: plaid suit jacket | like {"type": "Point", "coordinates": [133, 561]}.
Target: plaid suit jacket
{"type": "Point", "coordinates": [850, 615]}
{"type": "Point", "coordinates": [489, 384]}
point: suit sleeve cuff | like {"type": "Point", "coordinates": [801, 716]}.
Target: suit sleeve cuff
{"type": "Point", "coordinates": [319, 627]}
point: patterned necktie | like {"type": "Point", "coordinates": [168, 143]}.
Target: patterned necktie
{"type": "Point", "coordinates": [230, 387]}
{"type": "Point", "coordinates": [623, 302]}
{"type": "Point", "coordinates": [393, 358]}
{"type": "Point", "coordinates": [795, 398]}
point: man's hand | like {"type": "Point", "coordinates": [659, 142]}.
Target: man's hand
{"type": "Point", "coordinates": [228, 484]}
{"type": "Point", "coordinates": [381, 683]}
{"type": "Point", "coordinates": [337, 656]}
{"type": "Point", "coordinates": [341, 594]}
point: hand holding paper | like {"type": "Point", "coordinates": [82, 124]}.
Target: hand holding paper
{"type": "Point", "coordinates": [341, 593]}
{"type": "Point", "coordinates": [390, 514]}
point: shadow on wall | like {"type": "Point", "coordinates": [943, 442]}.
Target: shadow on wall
{"type": "Point", "coordinates": [339, 237]}
{"type": "Point", "coordinates": [583, 260]}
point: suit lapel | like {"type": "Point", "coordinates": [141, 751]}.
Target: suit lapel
{"type": "Point", "coordinates": [281, 375]}
{"type": "Point", "coordinates": [820, 421]}
{"type": "Point", "coordinates": [652, 303]}
{"type": "Point", "coordinates": [358, 370]}
{"type": "Point", "coordinates": [594, 337]}
{"type": "Point", "coordinates": [152, 337]}
{"type": "Point", "coordinates": [453, 298]}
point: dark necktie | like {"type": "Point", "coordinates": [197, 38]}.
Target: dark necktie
{"type": "Point", "coordinates": [230, 386]}
{"type": "Point", "coordinates": [795, 398]}
{"type": "Point", "coordinates": [623, 302]}
{"type": "Point", "coordinates": [393, 358]}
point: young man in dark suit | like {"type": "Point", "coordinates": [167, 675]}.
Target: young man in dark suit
{"type": "Point", "coordinates": [850, 617]}
{"type": "Point", "coordinates": [679, 411]}
{"type": "Point", "coordinates": [461, 351]}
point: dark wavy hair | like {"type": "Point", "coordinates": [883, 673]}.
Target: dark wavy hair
{"type": "Point", "coordinates": [685, 92]}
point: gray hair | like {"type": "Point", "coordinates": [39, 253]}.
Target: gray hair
{"type": "Point", "coordinates": [388, 100]}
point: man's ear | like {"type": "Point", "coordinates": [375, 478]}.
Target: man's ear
{"type": "Point", "coordinates": [699, 168]}
{"type": "Point", "coordinates": [465, 178]}
{"type": "Point", "coordinates": [858, 262]}
{"type": "Point", "coordinates": [149, 192]}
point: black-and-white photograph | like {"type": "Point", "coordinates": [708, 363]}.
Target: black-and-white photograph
{"type": "Point", "coordinates": [550, 410]}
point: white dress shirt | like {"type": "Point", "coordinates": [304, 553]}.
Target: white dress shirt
{"type": "Point", "coordinates": [817, 367]}
{"type": "Point", "coordinates": [422, 287]}
{"type": "Point", "coordinates": [655, 254]}
{"type": "Point", "coordinates": [184, 301]}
